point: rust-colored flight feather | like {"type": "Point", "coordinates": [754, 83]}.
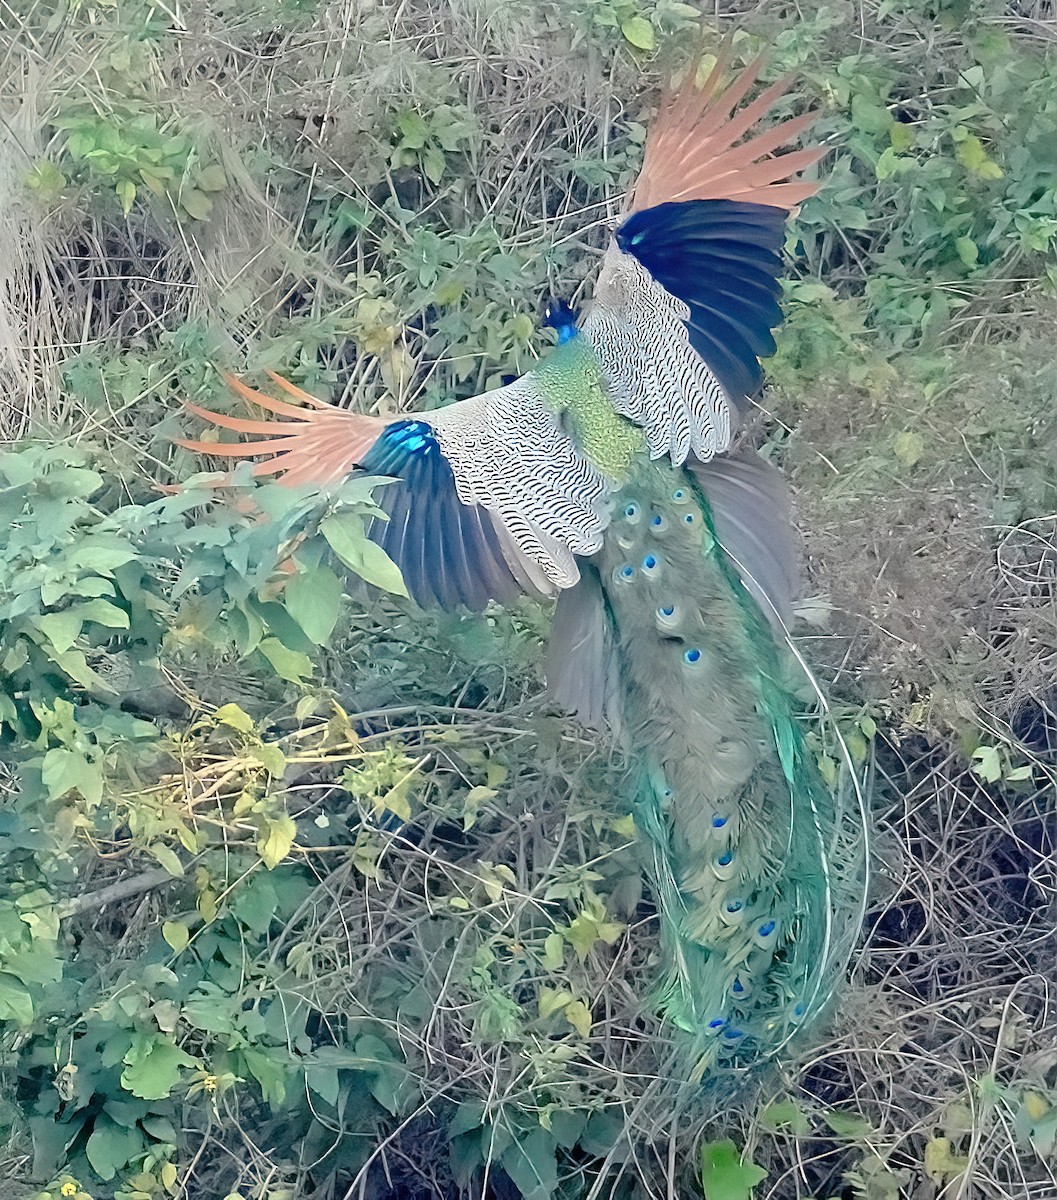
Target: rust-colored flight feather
{"type": "Point", "coordinates": [695, 151]}
{"type": "Point", "coordinates": [313, 443]}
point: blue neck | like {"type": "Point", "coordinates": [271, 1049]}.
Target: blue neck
{"type": "Point", "coordinates": [561, 317]}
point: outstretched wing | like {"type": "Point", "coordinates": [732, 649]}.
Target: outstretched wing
{"type": "Point", "coordinates": [688, 294]}
{"type": "Point", "coordinates": [491, 497]}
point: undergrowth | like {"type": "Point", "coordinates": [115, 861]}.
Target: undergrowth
{"type": "Point", "coordinates": [305, 893]}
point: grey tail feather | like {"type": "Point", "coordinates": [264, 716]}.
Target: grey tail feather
{"type": "Point", "coordinates": [582, 669]}
{"type": "Point", "coordinates": [749, 500]}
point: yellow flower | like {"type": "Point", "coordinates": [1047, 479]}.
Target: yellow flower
{"type": "Point", "coordinates": [70, 1188]}
{"type": "Point", "coordinates": [210, 1083]}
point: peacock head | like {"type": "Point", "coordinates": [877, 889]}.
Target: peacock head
{"type": "Point", "coordinates": [561, 317]}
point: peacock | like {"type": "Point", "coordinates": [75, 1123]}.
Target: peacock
{"type": "Point", "coordinates": [606, 476]}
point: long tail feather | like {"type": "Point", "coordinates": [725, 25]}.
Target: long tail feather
{"type": "Point", "coordinates": [693, 150]}
{"type": "Point", "coordinates": [758, 869]}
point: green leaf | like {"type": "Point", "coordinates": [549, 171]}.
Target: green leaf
{"type": "Point", "coordinates": [552, 1001]}
{"type": "Point", "coordinates": [63, 770]}
{"type": "Point", "coordinates": [901, 135]}
{"type": "Point", "coordinates": [212, 178]}
{"type": "Point", "coordinates": [101, 555]}
{"type": "Point", "coordinates": [275, 840]}
{"type": "Point", "coordinates": [847, 1124]}
{"type": "Point", "coordinates": [987, 763]}
{"type": "Point", "coordinates": [46, 180]}
{"type": "Point", "coordinates": [74, 664]}
{"type": "Point", "coordinates": [289, 664]}
{"type": "Point", "coordinates": [153, 1070]}
{"type": "Point", "coordinates": [523, 328]}
{"type": "Point", "coordinates": [567, 1126]}
{"type": "Point", "coordinates": [389, 1087]}
{"type": "Point", "coordinates": [160, 1128]}
{"type": "Point", "coordinates": [968, 251]}
{"type": "Point", "coordinates": [624, 826]}
{"type": "Point", "coordinates": [469, 1115]}
{"type": "Point", "coordinates": [785, 1115]}
{"type": "Point", "coordinates": [176, 934]}
{"type": "Point", "coordinates": [16, 1004]}
{"type": "Point", "coordinates": [531, 1164]}
{"type": "Point", "coordinates": [603, 1134]}
{"type": "Point", "coordinates": [347, 539]}
{"type": "Point", "coordinates": [639, 32]}
{"type": "Point", "coordinates": [256, 902]}
{"type": "Point", "coordinates": [388, 1079]}
{"type": "Point", "coordinates": [112, 1147]}
{"type": "Point", "coordinates": [168, 858]}
{"type": "Point", "coordinates": [324, 1081]}
{"type": "Point", "coordinates": [236, 717]}
{"type": "Point", "coordinates": [908, 447]}
{"type": "Point", "coordinates": [433, 163]}
{"type": "Point", "coordinates": [38, 964]}
{"type": "Point", "coordinates": [209, 1014]}
{"type": "Point", "coordinates": [375, 566]}
{"type": "Point", "coordinates": [940, 1164]}
{"type": "Point", "coordinates": [890, 163]}
{"type": "Point", "coordinates": [126, 193]}
{"type": "Point", "coordinates": [1035, 1122]}
{"type": "Point", "coordinates": [579, 1017]}
{"type": "Point", "coordinates": [196, 204]}
{"type": "Point", "coordinates": [373, 1051]}
{"type": "Point", "coordinates": [156, 179]}
{"type": "Point", "coordinates": [270, 1071]}
{"type": "Point", "coordinates": [271, 757]}
{"type": "Point", "coordinates": [102, 612]}
{"type": "Point", "coordinates": [413, 130]}
{"type": "Point", "coordinates": [970, 152]}
{"type": "Point", "coordinates": [466, 1156]}
{"type": "Point", "coordinates": [62, 629]}
{"type": "Point", "coordinates": [724, 1176]}
{"type": "Point", "coordinates": [471, 805]}
{"type": "Point", "coordinates": [553, 952]}
{"type": "Point", "coordinates": [313, 599]}
{"type": "Point", "coordinates": [590, 927]}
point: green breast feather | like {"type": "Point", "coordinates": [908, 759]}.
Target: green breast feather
{"type": "Point", "coordinates": [570, 381]}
